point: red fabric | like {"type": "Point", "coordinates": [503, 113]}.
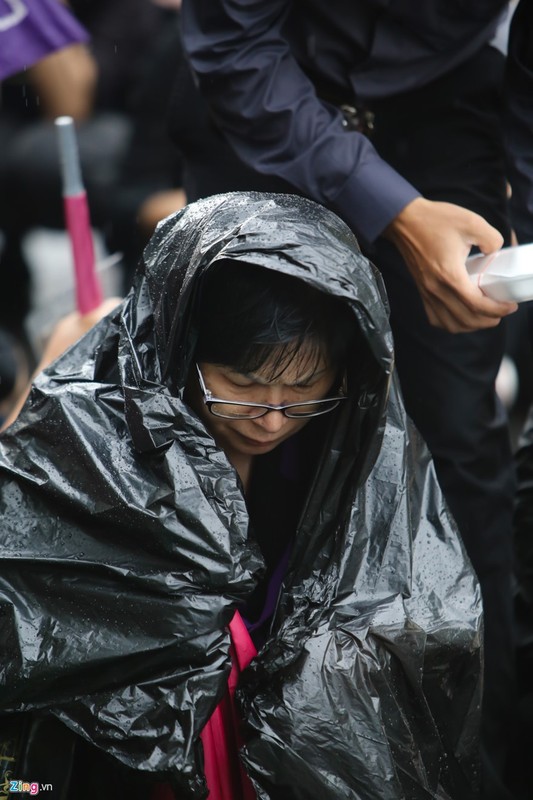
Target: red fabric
{"type": "Point", "coordinates": [224, 773]}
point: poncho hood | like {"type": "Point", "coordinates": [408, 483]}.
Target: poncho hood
{"type": "Point", "coordinates": [125, 547]}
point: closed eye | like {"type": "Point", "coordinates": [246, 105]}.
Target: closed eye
{"type": "Point", "coordinates": [240, 385]}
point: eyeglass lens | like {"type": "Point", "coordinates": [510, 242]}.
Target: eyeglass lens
{"type": "Point", "coordinates": [233, 411]}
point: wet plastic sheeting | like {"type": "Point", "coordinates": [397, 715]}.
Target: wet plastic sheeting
{"type": "Point", "coordinates": [125, 548]}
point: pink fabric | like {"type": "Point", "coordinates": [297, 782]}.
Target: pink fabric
{"type": "Point", "coordinates": [88, 289]}
{"type": "Point", "coordinates": [221, 740]}
{"type": "Point", "coordinates": [224, 773]}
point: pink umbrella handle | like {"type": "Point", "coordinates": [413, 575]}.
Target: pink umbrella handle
{"type": "Point", "coordinates": [78, 222]}
{"type": "Point", "coordinates": [88, 288]}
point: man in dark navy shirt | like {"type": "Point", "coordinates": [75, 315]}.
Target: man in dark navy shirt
{"type": "Point", "coordinates": [392, 114]}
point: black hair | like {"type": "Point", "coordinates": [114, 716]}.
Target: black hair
{"type": "Point", "coordinates": [249, 318]}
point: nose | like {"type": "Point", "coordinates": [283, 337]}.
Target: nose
{"type": "Point", "coordinates": [272, 422]}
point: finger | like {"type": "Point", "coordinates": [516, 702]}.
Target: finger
{"type": "Point", "coordinates": [465, 299]}
{"type": "Point", "coordinates": [470, 311]}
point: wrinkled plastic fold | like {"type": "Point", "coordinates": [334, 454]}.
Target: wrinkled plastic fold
{"type": "Point", "coordinates": [125, 548]}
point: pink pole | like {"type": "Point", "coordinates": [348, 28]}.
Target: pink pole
{"type": "Point", "coordinates": [78, 223]}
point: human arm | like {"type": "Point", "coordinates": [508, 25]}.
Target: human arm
{"type": "Point", "coordinates": [65, 333]}
{"type": "Point", "coordinates": [71, 328]}
{"type": "Point", "coordinates": [157, 206]}
{"type": "Point", "coordinates": [45, 43]}
{"type": "Point", "coordinates": [65, 82]}
{"type": "Point", "coordinates": [269, 112]}
{"type": "Point", "coordinates": [435, 239]}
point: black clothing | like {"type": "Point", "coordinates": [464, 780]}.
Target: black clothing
{"type": "Point", "coordinates": [279, 484]}
{"type": "Point", "coordinates": [444, 137]}
{"type": "Point", "coordinates": [260, 66]}
{"type": "Point", "coordinates": [150, 162]}
{"type": "Point", "coordinates": [125, 547]}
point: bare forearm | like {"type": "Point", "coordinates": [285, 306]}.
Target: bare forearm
{"type": "Point", "coordinates": [66, 332]}
{"type": "Point", "coordinates": [65, 82]}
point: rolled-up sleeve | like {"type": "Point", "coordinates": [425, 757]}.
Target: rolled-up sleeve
{"type": "Point", "coordinates": [269, 112]}
{"type": "Point", "coordinates": [519, 119]}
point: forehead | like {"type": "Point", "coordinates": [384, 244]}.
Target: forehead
{"type": "Point", "coordinates": [288, 366]}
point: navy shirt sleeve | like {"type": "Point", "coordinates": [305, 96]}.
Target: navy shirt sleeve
{"type": "Point", "coordinates": [268, 110]}
{"type": "Point", "coordinates": [519, 119]}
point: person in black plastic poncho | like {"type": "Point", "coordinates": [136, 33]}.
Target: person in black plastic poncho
{"type": "Point", "coordinates": [232, 439]}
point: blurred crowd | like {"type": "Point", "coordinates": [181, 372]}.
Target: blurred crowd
{"type": "Point", "coordinates": [116, 88]}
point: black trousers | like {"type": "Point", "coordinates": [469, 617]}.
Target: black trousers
{"type": "Point", "coordinates": [446, 139]}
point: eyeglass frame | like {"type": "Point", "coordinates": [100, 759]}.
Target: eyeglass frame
{"type": "Point", "coordinates": [210, 400]}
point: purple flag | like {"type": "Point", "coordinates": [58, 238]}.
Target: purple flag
{"type": "Point", "coordinates": [31, 29]}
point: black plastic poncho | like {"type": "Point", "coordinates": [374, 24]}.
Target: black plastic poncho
{"type": "Point", "coordinates": [125, 548]}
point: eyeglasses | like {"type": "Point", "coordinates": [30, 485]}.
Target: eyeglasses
{"type": "Point", "coordinates": [236, 409]}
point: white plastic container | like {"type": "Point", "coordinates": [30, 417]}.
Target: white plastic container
{"type": "Point", "coordinates": [506, 274]}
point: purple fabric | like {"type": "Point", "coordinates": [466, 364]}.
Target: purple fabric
{"type": "Point", "coordinates": [274, 586]}
{"type": "Point", "coordinates": [31, 29]}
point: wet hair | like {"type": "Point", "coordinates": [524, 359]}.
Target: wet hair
{"type": "Point", "coordinates": [250, 318]}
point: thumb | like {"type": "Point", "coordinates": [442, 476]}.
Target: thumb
{"type": "Point", "coordinates": [488, 238]}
